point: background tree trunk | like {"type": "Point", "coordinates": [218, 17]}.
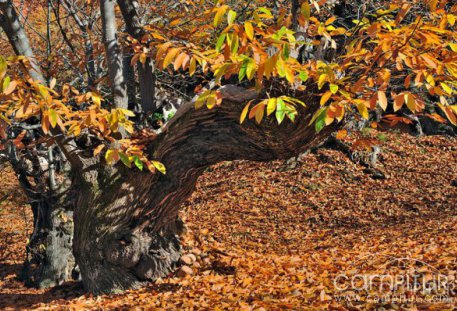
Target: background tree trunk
{"type": "Point", "coordinates": [146, 76]}
{"type": "Point", "coordinates": [12, 26]}
{"type": "Point", "coordinates": [49, 253]}
{"type": "Point", "coordinates": [113, 54]}
{"type": "Point", "coordinates": [125, 220]}
{"type": "Point", "coordinates": [49, 259]}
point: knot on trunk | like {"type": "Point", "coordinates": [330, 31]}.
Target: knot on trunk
{"type": "Point", "coordinates": [125, 250]}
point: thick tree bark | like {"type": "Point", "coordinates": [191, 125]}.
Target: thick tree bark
{"type": "Point", "coordinates": [125, 229]}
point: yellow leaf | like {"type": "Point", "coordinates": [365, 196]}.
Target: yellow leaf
{"type": "Point", "coordinates": [446, 88]}
{"type": "Point", "coordinates": [322, 79]}
{"type": "Point", "coordinates": [192, 66]}
{"type": "Point", "coordinates": [231, 17]}
{"type": "Point", "coordinates": [362, 109]}
{"type": "Point", "coordinates": [143, 58]}
{"type": "Point", "coordinates": [96, 99]}
{"type": "Point", "coordinates": [219, 13]}
{"type": "Point", "coordinates": [3, 67]}
{"type": "Point", "coordinates": [453, 46]}
{"type": "Point", "coordinates": [127, 112]}
{"type": "Point", "coordinates": [271, 106]}
{"type": "Point", "coordinates": [244, 113]}
{"type": "Point", "coordinates": [53, 117]}
{"type": "Point", "coordinates": [202, 99]}
{"type": "Point", "coordinates": [211, 101]}
{"type": "Point", "coordinates": [382, 98]}
{"type": "Point", "coordinates": [334, 88]}
{"type": "Point", "coordinates": [289, 74]}
{"type": "Point", "coordinates": [111, 156]}
{"type": "Point", "coordinates": [249, 30]}
{"type": "Point", "coordinates": [159, 166]}
{"type": "Point", "coordinates": [170, 56]}
{"type": "Point", "coordinates": [250, 69]}
{"type": "Point", "coordinates": [451, 19]}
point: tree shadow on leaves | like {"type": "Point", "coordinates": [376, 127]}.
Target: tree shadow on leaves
{"type": "Point", "coordinates": [13, 298]}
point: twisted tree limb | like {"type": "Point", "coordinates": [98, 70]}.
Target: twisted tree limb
{"type": "Point", "coordinates": [125, 220]}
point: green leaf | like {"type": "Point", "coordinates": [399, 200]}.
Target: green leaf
{"type": "Point", "coordinates": [265, 11]}
{"type": "Point", "coordinates": [6, 83]}
{"type": "Point", "coordinates": [138, 163]}
{"type": "Point", "coordinates": [3, 67]}
{"type": "Point", "coordinates": [125, 159]}
{"type": "Point", "coordinates": [231, 17]}
{"type": "Point", "coordinates": [286, 51]}
{"type": "Point", "coordinates": [334, 88]}
{"type": "Point", "coordinates": [220, 42]}
{"type": "Point", "coordinates": [291, 112]}
{"type": "Point", "coordinates": [320, 124]}
{"type": "Point", "coordinates": [320, 121]}
{"type": "Point", "coordinates": [234, 43]}
{"type": "Point", "coordinates": [303, 76]}
{"type": "Point", "coordinates": [280, 110]}
{"type": "Point", "coordinates": [243, 70]}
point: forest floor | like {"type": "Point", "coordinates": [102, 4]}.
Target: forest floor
{"type": "Point", "coordinates": [273, 236]}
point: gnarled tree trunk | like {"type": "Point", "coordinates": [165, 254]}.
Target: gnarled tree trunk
{"type": "Point", "coordinates": [49, 259]}
{"type": "Point", "coordinates": [125, 220]}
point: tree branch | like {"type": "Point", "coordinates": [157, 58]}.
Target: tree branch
{"type": "Point", "coordinates": [195, 139]}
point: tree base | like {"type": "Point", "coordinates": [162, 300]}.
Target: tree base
{"type": "Point", "coordinates": [50, 259]}
{"type": "Point", "coordinates": [130, 259]}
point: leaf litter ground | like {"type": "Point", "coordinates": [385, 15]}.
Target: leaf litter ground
{"type": "Point", "coordinates": [274, 236]}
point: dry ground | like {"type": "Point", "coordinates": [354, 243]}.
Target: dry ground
{"type": "Point", "coordinates": [276, 237]}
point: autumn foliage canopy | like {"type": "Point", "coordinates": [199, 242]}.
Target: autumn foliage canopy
{"type": "Point", "coordinates": [396, 55]}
